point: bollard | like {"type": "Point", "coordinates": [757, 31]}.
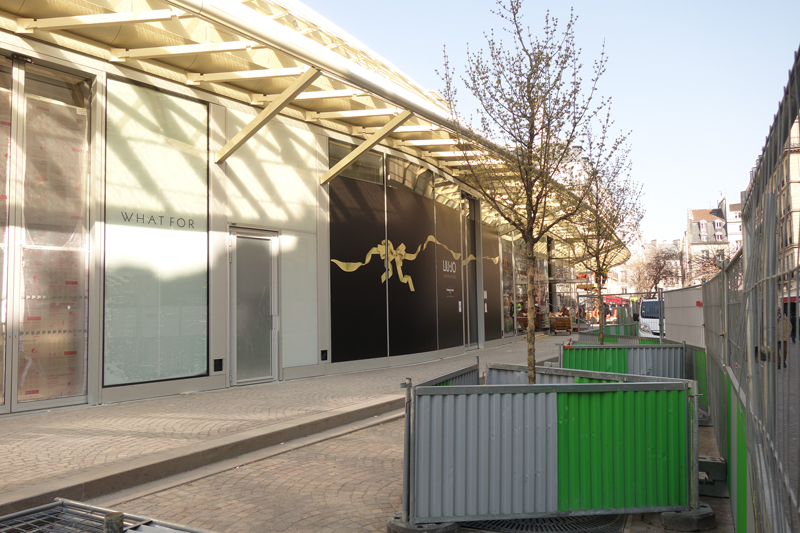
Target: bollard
{"type": "Point", "coordinates": [113, 522]}
{"type": "Point", "coordinates": [407, 453]}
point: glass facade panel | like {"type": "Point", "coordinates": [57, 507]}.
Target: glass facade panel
{"type": "Point", "coordinates": [156, 284]}
{"type": "Point", "coordinates": [253, 308]}
{"type": "Point", "coordinates": [5, 145]}
{"type": "Point", "coordinates": [368, 167]}
{"type": "Point", "coordinates": [53, 251]}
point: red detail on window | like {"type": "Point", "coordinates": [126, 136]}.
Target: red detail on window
{"type": "Point", "coordinates": [698, 303]}
{"type": "Point", "coordinates": [32, 392]}
{"type": "Point", "coordinates": [40, 178]}
{"type": "Point", "coordinates": [71, 353]}
{"type": "Point", "coordinates": [34, 318]}
{"type": "Point", "coordinates": [71, 282]}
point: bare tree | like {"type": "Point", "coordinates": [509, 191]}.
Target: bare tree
{"type": "Point", "coordinates": [703, 261]}
{"type": "Point", "coordinates": [613, 208]}
{"type": "Point", "coordinates": [648, 272]}
{"type": "Point", "coordinates": [534, 104]}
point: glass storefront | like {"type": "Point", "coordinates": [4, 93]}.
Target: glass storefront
{"type": "Point", "coordinates": [44, 127]}
{"type": "Point", "coordinates": [156, 281]}
{"type": "Point", "coordinates": [5, 142]}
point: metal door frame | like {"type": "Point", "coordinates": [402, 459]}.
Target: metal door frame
{"type": "Point", "coordinates": [234, 232]}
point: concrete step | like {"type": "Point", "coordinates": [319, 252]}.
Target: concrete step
{"type": "Point", "coordinates": [125, 474]}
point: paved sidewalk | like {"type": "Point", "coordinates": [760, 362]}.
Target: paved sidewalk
{"type": "Point", "coordinates": [140, 441]}
{"type": "Point", "coordinates": [348, 483]}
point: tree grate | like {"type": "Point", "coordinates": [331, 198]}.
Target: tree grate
{"type": "Point", "coordinates": [556, 524]}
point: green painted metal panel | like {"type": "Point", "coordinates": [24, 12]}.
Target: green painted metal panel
{"type": "Point", "coordinates": [443, 383]}
{"type": "Point", "coordinates": [611, 359]}
{"type": "Point", "coordinates": [741, 469]}
{"type": "Point", "coordinates": [622, 450]}
{"type": "Point", "coordinates": [649, 341]}
{"type": "Point", "coordinates": [611, 340]}
{"type": "Point", "coordinates": [701, 376]}
{"type": "Point", "coordinates": [728, 416]}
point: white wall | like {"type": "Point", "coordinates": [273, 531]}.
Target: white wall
{"type": "Point", "coordinates": [683, 318]}
{"type": "Point", "coordinates": [272, 178]}
{"type": "Point", "coordinates": [299, 299]}
{"type": "Point", "coordinates": [272, 184]}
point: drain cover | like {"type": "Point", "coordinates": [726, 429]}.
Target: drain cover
{"type": "Point", "coordinates": [556, 524]}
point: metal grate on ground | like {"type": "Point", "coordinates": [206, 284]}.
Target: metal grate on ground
{"type": "Point", "coordinates": [65, 516]}
{"type": "Point", "coordinates": [560, 524]}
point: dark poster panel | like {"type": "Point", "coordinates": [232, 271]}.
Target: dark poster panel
{"type": "Point", "coordinates": [358, 296]}
{"type": "Point", "coordinates": [412, 286]}
{"type": "Point", "coordinates": [492, 301]}
{"type": "Point", "coordinates": [448, 274]}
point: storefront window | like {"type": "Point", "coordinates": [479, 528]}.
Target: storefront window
{"type": "Point", "coordinates": [156, 282]}
{"type": "Point", "coordinates": [368, 167]}
{"type": "Point", "coordinates": [54, 246]}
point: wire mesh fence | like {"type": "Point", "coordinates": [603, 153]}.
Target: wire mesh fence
{"type": "Point", "coordinates": [751, 320]}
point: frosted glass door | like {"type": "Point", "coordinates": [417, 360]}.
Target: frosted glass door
{"type": "Point", "coordinates": [253, 308]}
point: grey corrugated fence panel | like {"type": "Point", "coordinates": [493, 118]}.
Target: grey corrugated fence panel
{"type": "Point", "coordinates": [465, 376]}
{"type": "Point", "coordinates": [491, 452]}
{"type": "Point", "coordinates": [553, 375]}
{"type": "Point", "coordinates": [503, 374]}
{"type": "Point", "coordinates": [664, 360]}
{"type": "Point", "coordinates": [484, 455]}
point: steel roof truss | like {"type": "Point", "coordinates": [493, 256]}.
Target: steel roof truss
{"type": "Point", "coordinates": [422, 128]}
{"type": "Point", "coordinates": [429, 142]}
{"type": "Point", "coordinates": [121, 54]}
{"type": "Point", "coordinates": [355, 113]}
{"type": "Point", "coordinates": [269, 112]}
{"type": "Point", "coordinates": [257, 74]}
{"type": "Point", "coordinates": [27, 25]}
{"type": "Point", "coordinates": [315, 95]}
{"type": "Point", "coordinates": [371, 141]}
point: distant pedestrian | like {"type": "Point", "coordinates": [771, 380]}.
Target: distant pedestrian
{"type": "Point", "coordinates": [783, 337]}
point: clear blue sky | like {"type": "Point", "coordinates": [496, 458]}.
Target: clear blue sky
{"type": "Point", "coordinates": [697, 82]}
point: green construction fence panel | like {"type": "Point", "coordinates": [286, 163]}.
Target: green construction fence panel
{"type": "Point", "coordinates": [624, 449]}
{"type": "Point", "coordinates": [741, 469]}
{"type": "Point", "coordinates": [610, 359]}
{"type": "Point", "coordinates": [649, 341]}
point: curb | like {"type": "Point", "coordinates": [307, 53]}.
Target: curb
{"type": "Point", "coordinates": [105, 479]}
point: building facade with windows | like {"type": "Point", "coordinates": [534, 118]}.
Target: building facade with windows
{"type": "Point", "coordinates": [705, 243]}
{"type": "Point", "coordinates": [198, 197]}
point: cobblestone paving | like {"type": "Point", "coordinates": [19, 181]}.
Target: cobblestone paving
{"type": "Point", "coordinates": [350, 483]}
{"type": "Point", "coordinates": [50, 446]}
{"type": "Point", "coordinates": [347, 484]}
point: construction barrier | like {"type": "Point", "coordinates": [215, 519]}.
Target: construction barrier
{"type": "Point", "coordinates": [482, 452]}
{"type": "Point", "coordinates": [663, 360]}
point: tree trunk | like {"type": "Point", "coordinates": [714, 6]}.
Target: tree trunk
{"type": "Point", "coordinates": [531, 318]}
{"type": "Point", "coordinates": [601, 337]}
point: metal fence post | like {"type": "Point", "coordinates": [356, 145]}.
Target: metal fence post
{"type": "Point", "coordinates": [661, 315]}
{"type": "Point", "coordinates": [113, 522]}
{"type": "Point", "coordinates": [695, 465]}
{"type": "Point", "coordinates": [407, 453]}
